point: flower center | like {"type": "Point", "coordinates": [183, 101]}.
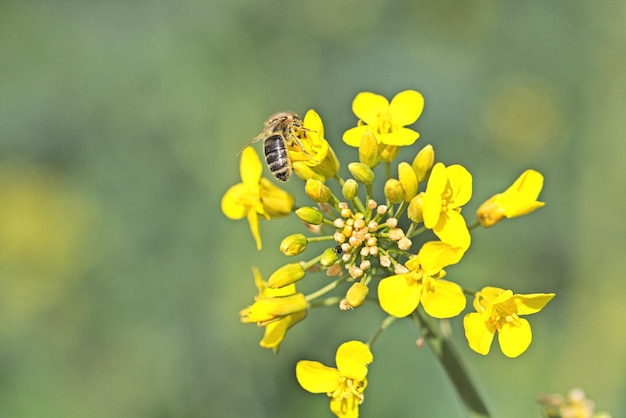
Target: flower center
{"type": "Point", "coordinates": [384, 123]}
{"type": "Point", "coordinates": [348, 393]}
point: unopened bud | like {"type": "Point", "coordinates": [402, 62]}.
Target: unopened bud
{"type": "Point", "coordinates": [306, 172]}
{"type": "Point", "coordinates": [293, 244]}
{"type": "Point", "coordinates": [362, 173]}
{"type": "Point", "coordinates": [423, 162]}
{"type": "Point", "coordinates": [388, 152]}
{"type": "Point", "coordinates": [329, 257]}
{"type": "Point", "coordinates": [310, 215]}
{"type": "Point", "coordinates": [317, 191]}
{"type": "Point", "coordinates": [490, 212]}
{"type": "Point", "coordinates": [350, 189]}
{"type": "Point", "coordinates": [414, 211]}
{"type": "Point", "coordinates": [408, 179]}
{"type": "Point", "coordinates": [368, 150]}
{"type": "Point", "coordinates": [356, 294]}
{"type": "Point", "coordinates": [285, 275]}
{"type": "Point", "coordinates": [393, 191]}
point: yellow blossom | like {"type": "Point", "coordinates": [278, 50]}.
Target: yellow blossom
{"type": "Point", "coordinates": [499, 310]}
{"type": "Point", "coordinates": [345, 384]}
{"type": "Point", "coordinates": [447, 190]}
{"type": "Point", "coordinates": [255, 196]}
{"type": "Point", "coordinates": [399, 295]}
{"type": "Point", "coordinates": [275, 309]}
{"type": "Point", "coordinates": [386, 120]}
{"type": "Point", "coordinates": [519, 199]}
{"type": "Point", "coordinates": [315, 152]}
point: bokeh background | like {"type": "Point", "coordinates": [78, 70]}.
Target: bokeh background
{"type": "Point", "coordinates": [121, 281]}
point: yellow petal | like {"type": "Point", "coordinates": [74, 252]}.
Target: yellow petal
{"type": "Point", "coordinates": [397, 297]}
{"type": "Point", "coordinates": [253, 220]}
{"type": "Point", "coordinates": [368, 106]}
{"type": "Point", "coordinates": [444, 299]}
{"type": "Point", "coordinates": [434, 256]}
{"type": "Point", "coordinates": [275, 331]}
{"type": "Point", "coordinates": [354, 135]}
{"type": "Point", "coordinates": [313, 122]}
{"type": "Point", "coordinates": [275, 201]}
{"type": "Point", "coordinates": [352, 359]}
{"type": "Point", "coordinates": [250, 167]}
{"type": "Point", "coordinates": [315, 377]}
{"type": "Point", "coordinates": [231, 202]}
{"type": "Point", "coordinates": [478, 333]}
{"type": "Point", "coordinates": [406, 107]}
{"type": "Point", "coordinates": [452, 229]}
{"type": "Point", "coordinates": [514, 339]}
{"type": "Point", "coordinates": [431, 200]}
{"type": "Point", "coordinates": [346, 407]}
{"type": "Point", "coordinates": [461, 184]}
{"type": "Point", "coordinates": [400, 137]}
{"type": "Point", "coordinates": [531, 303]}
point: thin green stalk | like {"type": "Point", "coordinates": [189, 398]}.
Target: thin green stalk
{"type": "Point", "coordinates": [452, 364]}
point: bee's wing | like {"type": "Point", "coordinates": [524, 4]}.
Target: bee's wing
{"type": "Point", "coordinates": [261, 136]}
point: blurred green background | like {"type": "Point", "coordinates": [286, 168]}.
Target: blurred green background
{"type": "Point", "coordinates": [121, 281]}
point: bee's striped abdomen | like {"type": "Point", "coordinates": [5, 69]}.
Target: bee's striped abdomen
{"type": "Point", "coordinates": [277, 157]}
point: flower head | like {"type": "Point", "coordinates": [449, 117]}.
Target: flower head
{"type": "Point", "coordinates": [447, 190]}
{"type": "Point", "coordinates": [386, 120]}
{"type": "Point", "coordinates": [275, 309]}
{"type": "Point", "coordinates": [255, 196]}
{"type": "Point", "coordinates": [519, 199]}
{"type": "Point", "coordinates": [499, 310]}
{"type": "Point", "coordinates": [399, 295]}
{"type": "Point", "coordinates": [345, 384]}
{"type": "Point", "coordinates": [315, 157]}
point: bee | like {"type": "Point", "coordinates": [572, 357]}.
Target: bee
{"type": "Point", "coordinates": [279, 133]}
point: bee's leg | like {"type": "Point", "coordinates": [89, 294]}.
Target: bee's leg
{"type": "Point", "coordinates": [257, 138]}
{"type": "Point", "coordinates": [295, 140]}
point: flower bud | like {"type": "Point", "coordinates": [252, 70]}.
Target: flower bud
{"type": "Point", "coordinates": [393, 191]}
{"type": "Point", "coordinates": [310, 215]}
{"type": "Point", "coordinates": [408, 179]}
{"type": "Point", "coordinates": [350, 189]}
{"type": "Point", "coordinates": [357, 294]}
{"type": "Point", "coordinates": [287, 274]}
{"type": "Point", "coordinates": [317, 191]}
{"type": "Point", "coordinates": [368, 150]}
{"type": "Point", "coordinates": [423, 162]}
{"type": "Point", "coordinates": [362, 173]}
{"type": "Point", "coordinates": [329, 257]}
{"type": "Point", "coordinates": [490, 212]}
{"type": "Point", "coordinates": [414, 211]}
{"type": "Point", "coordinates": [269, 309]}
{"type": "Point", "coordinates": [306, 172]}
{"type": "Point", "coordinates": [388, 153]}
{"type": "Point", "coordinates": [293, 244]}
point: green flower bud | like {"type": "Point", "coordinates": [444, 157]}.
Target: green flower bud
{"type": "Point", "coordinates": [362, 173]}
{"type": "Point", "coordinates": [329, 257]}
{"type": "Point", "coordinates": [293, 244]}
{"type": "Point", "coordinates": [310, 215]}
{"type": "Point", "coordinates": [368, 150]}
{"type": "Point", "coordinates": [408, 179]}
{"type": "Point", "coordinates": [393, 191]}
{"type": "Point", "coordinates": [317, 191]}
{"type": "Point", "coordinates": [350, 189]}
{"type": "Point", "coordinates": [414, 211]}
{"type": "Point", "coordinates": [357, 294]}
{"type": "Point", "coordinates": [423, 162]}
{"type": "Point", "coordinates": [305, 172]}
{"type": "Point", "coordinates": [285, 275]}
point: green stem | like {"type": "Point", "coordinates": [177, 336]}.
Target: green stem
{"type": "Point", "coordinates": [330, 286]}
{"type": "Point", "coordinates": [452, 364]}
{"type": "Point", "coordinates": [383, 326]}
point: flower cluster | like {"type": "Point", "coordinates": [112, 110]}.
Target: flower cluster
{"type": "Point", "coordinates": [396, 241]}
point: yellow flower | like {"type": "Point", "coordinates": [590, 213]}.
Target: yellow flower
{"type": "Point", "coordinates": [448, 189]}
{"type": "Point", "coordinates": [519, 199]}
{"type": "Point", "coordinates": [276, 309]}
{"type": "Point", "coordinates": [386, 120]}
{"type": "Point", "coordinates": [255, 196]}
{"type": "Point", "coordinates": [318, 157]}
{"type": "Point", "coordinates": [400, 295]}
{"type": "Point", "coordinates": [499, 310]}
{"type": "Point", "coordinates": [345, 384]}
